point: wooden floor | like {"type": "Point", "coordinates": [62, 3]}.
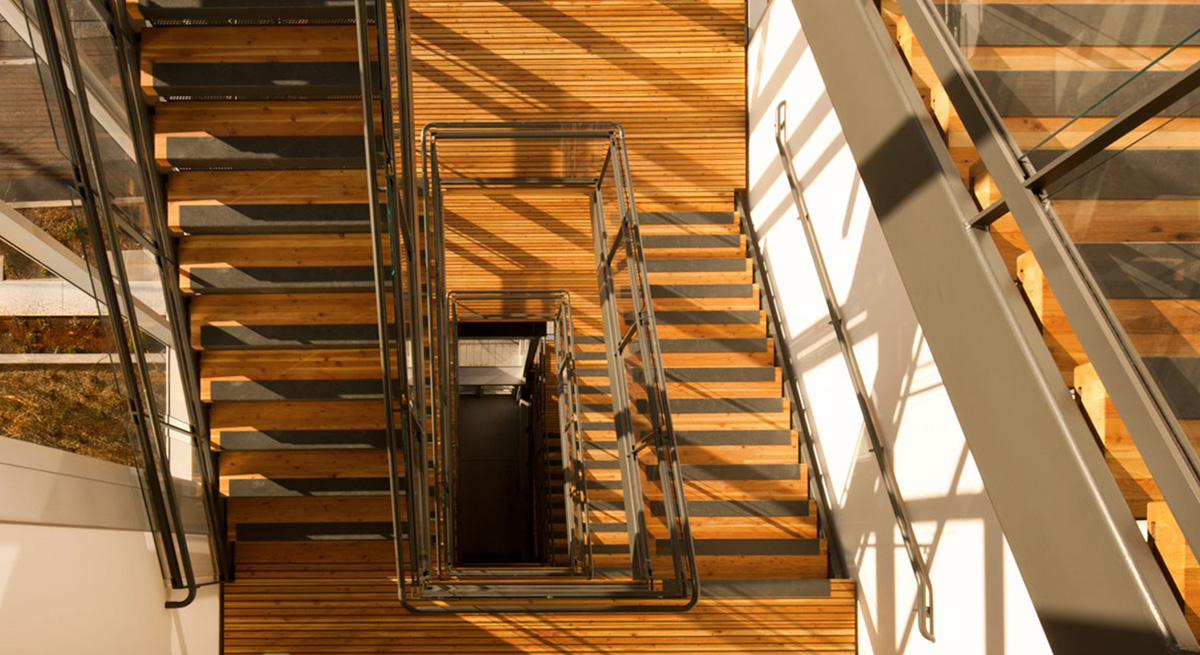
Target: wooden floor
{"type": "Point", "coordinates": [314, 616]}
{"type": "Point", "coordinates": [1133, 218]}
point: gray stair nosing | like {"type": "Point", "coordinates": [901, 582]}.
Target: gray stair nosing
{"type": "Point", "coordinates": [221, 13]}
{"type": "Point", "coordinates": [720, 405]}
{"type": "Point", "coordinates": [1140, 270]}
{"type": "Point", "coordinates": [687, 218]}
{"type": "Point", "coordinates": [257, 79]}
{"type": "Point", "coordinates": [1093, 24]}
{"type": "Point", "coordinates": [281, 487]}
{"type": "Point", "coordinates": [1068, 93]}
{"type": "Point", "coordinates": [742, 508]}
{"type": "Point", "coordinates": [735, 471]}
{"type": "Point", "coordinates": [264, 152]}
{"type": "Point", "coordinates": [313, 532]}
{"type": "Point", "coordinates": [294, 390]}
{"type": "Point", "coordinates": [772, 588]}
{"type": "Point", "coordinates": [234, 440]}
{"type": "Point", "coordinates": [273, 218]}
{"type": "Point", "coordinates": [747, 547]}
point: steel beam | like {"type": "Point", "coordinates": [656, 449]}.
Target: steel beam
{"type": "Point", "coordinates": [1118, 127]}
{"type": "Point", "coordinates": [1157, 434]}
{"type": "Point", "coordinates": [1090, 575]}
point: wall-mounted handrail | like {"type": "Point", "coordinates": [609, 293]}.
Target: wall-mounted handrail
{"type": "Point", "coordinates": [924, 599]}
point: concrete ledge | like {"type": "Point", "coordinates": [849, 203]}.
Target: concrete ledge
{"type": "Point", "coordinates": [42, 485]}
{"type": "Point", "coordinates": [56, 297]}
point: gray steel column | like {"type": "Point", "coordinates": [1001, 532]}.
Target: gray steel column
{"type": "Point", "coordinates": [1092, 579]}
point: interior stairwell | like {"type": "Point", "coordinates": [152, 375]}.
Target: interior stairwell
{"type": "Point", "coordinates": [258, 126]}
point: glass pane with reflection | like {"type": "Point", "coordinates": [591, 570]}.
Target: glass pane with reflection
{"type": "Point", "coordinates": [1057, 72]}
{"type": "Point", "coordinates": [1133, 212]}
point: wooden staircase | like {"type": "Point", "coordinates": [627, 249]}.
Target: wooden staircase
{"type": "Point", "coordinates": [1134, 218]}
{"type": "Point", "coordinates": [747, 494]}
{"type": "Point", "coordinates": [258, 129]}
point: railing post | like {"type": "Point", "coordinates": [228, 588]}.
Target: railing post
{"type": "Point", "coordinates": [635, 519]}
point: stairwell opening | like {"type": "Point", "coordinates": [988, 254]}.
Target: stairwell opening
{"type": "Point", "coordinates": [500, 446]}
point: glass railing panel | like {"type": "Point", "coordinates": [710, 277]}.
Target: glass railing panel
{"type": "Point", "coordinates": [14, 265]}
{"type": "Point", "coordinates": [110, 122]}
{"type": "Point", "coordinates": [1057, 71]}
{"type": "Point", "coordinates": [61, 389]}
{"type": "Point", "coordinates": [184, 453]}
{"type": "Point", "coordinates": [109, 235]}
{"type": "Point", "coordinates": [35, 174]}
{"type": "Point", "coordinates": [1133, 212]}
{"type": "Point", "coordinates": [57, 383]}
{"type": "Point", "coordinates": [142, 270]}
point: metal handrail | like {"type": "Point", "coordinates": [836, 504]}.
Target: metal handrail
{"type": "Point", "coordinates": [89, 177]}
{"type": "Point", "coordinates": [924, 599]}
{"type": "Point", "coordinates": [152, 185]}
{"type": "Point", "coordinates": [571, 443]}
{"type": "Point", "coordinates": [662, 435]}
{"type": "Point", "coordinates": [398, 443]}
{"type": "Point", "coordinates": [448, 449]}
{"type": "Point", "coordinates": [430, 245]}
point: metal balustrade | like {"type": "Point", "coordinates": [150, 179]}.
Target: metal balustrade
{"type": "Point", "coordinates": [422, 425]}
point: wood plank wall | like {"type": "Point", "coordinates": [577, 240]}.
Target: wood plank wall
{"type": "Point", "coordinates": [670, 71]}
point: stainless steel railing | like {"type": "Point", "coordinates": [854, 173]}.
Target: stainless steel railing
{"type": "Point", "coordinates": [643, 425]}
{"type": "Point", "coordinates": [924, 600]}
{"type": "Point", "coordinates": [394, 257]}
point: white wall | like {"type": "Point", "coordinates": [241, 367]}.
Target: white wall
{"type": "Point", "coordinates": [980, 601]}
{"type": "Point", "coordinates": [79, 574]}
